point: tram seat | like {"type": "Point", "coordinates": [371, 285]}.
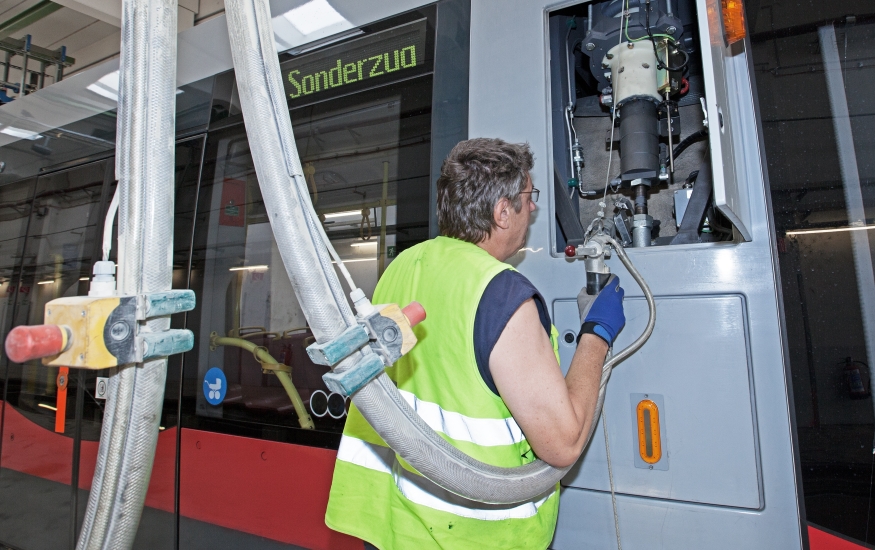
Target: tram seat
{"type": "Point", "coordinates": [234, 394]}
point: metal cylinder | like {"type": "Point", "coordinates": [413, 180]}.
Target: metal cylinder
{"type": "Point", "coordinates": [640, 199]}
{"type": "Point", "coordinates": [595, 282]}
{"type": "Point", "coordinates": [639, 140]}
{"type": "Point", "coordinates": [642, 227]}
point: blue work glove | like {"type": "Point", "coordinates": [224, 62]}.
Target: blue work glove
{"type": "Point", "coordinates": [602, 314]}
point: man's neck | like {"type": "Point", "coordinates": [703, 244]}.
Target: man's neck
{"type": "Point", "coordinates": [495, 248]}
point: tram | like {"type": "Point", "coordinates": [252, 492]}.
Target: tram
{"type": "Point", "coordinates": [758, 363]}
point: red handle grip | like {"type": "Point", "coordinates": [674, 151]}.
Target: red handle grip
{"type": "Point", "coordinates": [26, 343]}
{"type": "Point", "coordinates": [414, 312]}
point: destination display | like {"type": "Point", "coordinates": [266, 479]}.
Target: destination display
{"type": "Point", "coordinates": [390, 52]}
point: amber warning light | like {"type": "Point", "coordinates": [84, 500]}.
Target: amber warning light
{"type": "Point", "coordinates": [733, 21]}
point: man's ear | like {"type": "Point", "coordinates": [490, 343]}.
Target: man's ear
{"type": "Point", "coordinates": [501, 213]}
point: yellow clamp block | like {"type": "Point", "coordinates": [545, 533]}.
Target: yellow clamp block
{"type": "Point", "coordinates": [103, 331]}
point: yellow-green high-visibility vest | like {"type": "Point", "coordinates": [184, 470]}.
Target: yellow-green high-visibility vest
{"type": "Point", "coordinates": [378, 497]}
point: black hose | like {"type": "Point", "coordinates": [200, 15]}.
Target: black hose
{"type": "Point", "coordinates": [695, 137]}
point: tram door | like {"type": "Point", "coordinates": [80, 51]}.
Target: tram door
{"type": "Point", "coordinates": [50, 235]}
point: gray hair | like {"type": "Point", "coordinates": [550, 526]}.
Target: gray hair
{"type": "Point", "coordinates": [474, 177]}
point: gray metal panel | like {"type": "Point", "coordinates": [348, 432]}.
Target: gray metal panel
{"type": "Point", "coordinates": [512, 102]}
{"type": "Point", "coordinates": [697, 359]}
{"type": "Point", "coordinates": [647, 524]}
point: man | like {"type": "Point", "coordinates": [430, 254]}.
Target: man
{"type": "Point", "coordinates": [485, 371]}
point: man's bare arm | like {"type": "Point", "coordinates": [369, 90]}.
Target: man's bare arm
{"type": "Point", "coordinates": [554, 412]}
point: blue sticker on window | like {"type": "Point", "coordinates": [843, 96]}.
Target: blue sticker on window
{"type": "Point", "coordinates": [215, 386]}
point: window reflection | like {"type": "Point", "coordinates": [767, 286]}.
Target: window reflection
{"type": "Point", "coordinates": [814, 82]}
{"type": "Point", "coordinates": [366, 160]}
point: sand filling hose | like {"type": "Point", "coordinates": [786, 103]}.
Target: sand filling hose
{"type": "Point", "coordinates": [307, 255]}
{"type": "Point", "coordinates": [145, 170]}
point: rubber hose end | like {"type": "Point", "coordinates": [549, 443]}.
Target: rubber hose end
{"type": "Point", "coordinates": [26, 343]}
{"type": "Point", "coordinates": [414, 312]}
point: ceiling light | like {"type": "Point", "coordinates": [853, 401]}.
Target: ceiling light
{"type": "Point", "coordinates": [47, 406]}
{"type": "Point", "coordinates": [249, 268]}
{"type": "Point", "coordinates": [84, 279]}
{"type": "Point", "coordinates": [21, 134]}
{"type": "Point", "coordinates": [344, 213]}
{"type": "Point", "coordinates": [357, 260]}
{"type": "Point", "coordinates": [363, 243]}
{"type": "Point", "coordinates": [46, 282]}
{"type": "Point", "coordinates": [829, 230]}
{"type": "Point", "coordinates": [107, 86]}
{"type": "Point", "coordinates": [313, 16]}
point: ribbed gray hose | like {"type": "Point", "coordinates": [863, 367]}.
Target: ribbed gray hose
{"type": "Point", "coordinates": [302, 245]}
{"type": "Point", "coordinates": [145, 170]}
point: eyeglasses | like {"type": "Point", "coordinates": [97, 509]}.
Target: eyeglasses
{"type": "Point", "coordinates": [535, 193]}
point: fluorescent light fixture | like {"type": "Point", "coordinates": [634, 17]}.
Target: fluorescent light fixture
{"type": "Point", "coordinates": [249, 268]}
{"type": "Point", "coordinates": [46, 282]}
{"type": "Point", "coordinates": [47, 406]}
{"type": "Point", "coordinates": [21, 134]}
{"type": "Point", "coordinates": [313, 16]}
{"type": "Point", "coordinates": [107, 86]}
{"type": "Point", "coordinates": [357, 260]}
{"type": "Point", "coordinates": [344, 213]}
{"type": "Point", "coordinates": [161, 428]}
{"type": "Point", "coordinates": [84, 279]}
{"type": "Point", "coordinates": [363, 243]}
{"type": "Point", "coordinates": [310, 46]}
{"type": "Point", "coordinates": [830, 230]}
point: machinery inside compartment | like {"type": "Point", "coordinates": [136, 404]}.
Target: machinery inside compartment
{"type": "Point", "coordinates": [629, 124]}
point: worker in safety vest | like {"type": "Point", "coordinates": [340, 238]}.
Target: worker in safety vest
{"type": "Point", "coordinates": [484, 373]}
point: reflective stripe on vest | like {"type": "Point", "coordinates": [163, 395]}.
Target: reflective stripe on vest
{"type": "Point", "coordinates": [486, 432]}
{"type": "Point", "coordinates": [422, 491]}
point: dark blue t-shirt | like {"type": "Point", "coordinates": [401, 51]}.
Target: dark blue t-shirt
{"type": "Point", "coordinates": [504, 294]}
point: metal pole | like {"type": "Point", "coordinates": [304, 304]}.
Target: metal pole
{"type": "Point", "coordinates": [59, 76]}
{"type": "Point", "coordinates": [42, 75]}
{"type": "Point", "coordinates": [22, 91]}
{"type": "Point", "coordinates": [6, 67]}
{"type": "Point", "coordinates": [383, 205]}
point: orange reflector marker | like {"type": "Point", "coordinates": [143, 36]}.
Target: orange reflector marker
{"type": "Point", "coordinates": [61, 403]}
{"type": "Point", "coordinates": [649, 442]}
{"type": "Point", "coordinates": [733, 21]}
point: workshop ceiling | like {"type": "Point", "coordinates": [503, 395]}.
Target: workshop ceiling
{"type": "Point", "coordinates": [88, 28]}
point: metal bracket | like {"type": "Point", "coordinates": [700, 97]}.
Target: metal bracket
{"type": "Point", "coordinates": [352, 379]}
{"type": "Point", "coordinates": [334, 351]}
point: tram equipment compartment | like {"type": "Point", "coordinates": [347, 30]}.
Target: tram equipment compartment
{"type": "Point", "coordinates": [631, 126]}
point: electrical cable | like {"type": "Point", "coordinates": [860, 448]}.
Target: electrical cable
{"type": "Point", "coordinates": [695, 137]}
{"type": "Point", "coordinates": [659, 63]}
{"type": "Point", "coordinates": [623, 15]}
{"type": "Point", "coordinates": [107, 224]}
{"type": "Point", "coordinates": [611, 478]}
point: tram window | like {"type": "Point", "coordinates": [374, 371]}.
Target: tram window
{"type": "Point", "coordinates": [814, 83]}
{"type": "Point", "coordinates": [366, 159]}
{"type": "Point", "coordinates": [15, 205]}
{"type": "Point", "coordinates": [62, 239]}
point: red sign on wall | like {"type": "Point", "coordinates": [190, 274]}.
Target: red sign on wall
{"type": "Point", "coordinates": [233, 208]}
